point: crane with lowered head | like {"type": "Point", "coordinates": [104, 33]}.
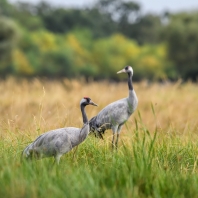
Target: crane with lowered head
{"type": "Point", "coordinates": [57, 142]}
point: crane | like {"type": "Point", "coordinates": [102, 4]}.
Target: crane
{"type": "Point", "coordinates": [114, 115]}
{"type": "Point", "coordinates": [57, 142]}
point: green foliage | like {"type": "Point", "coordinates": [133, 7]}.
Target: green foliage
{"type": "Point", "coordinates": [6, 9]}
{"type": "Point", "coordinates": [77, 53]}
{"type": "Point", "coordinates": [56, 64]}
{"type": "Point", "coordinates": [182, 38]}
{"type": "Point", "coordinates": [108, 57]}
{"type": "Point", "coordinates": [97, 41]}
{"type": "Point", "coordinates": [152, 62]}
{"type": "Point", "coordinates": [146, 30]}
{"type": "Point", "coordinates": [8, 38]}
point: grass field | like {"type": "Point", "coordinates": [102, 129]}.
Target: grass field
{"type": "Point", "coordinates": [158, 148]}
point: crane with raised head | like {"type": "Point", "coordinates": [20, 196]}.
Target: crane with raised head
{"type": "Point", "coordinates": [114, 115]}
{"type": "Point", "coordinates": [57, 142]}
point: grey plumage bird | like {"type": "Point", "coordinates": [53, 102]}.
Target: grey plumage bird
{"type": "Point", "coordinates": [114, 115]}
{"type": "Point", "coordinates": [57, 142]}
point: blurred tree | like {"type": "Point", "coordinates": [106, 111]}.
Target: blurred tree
{"type": "Point", "coordinates": [110, 53]}
{"type": "Point", "coordinates": [128, 14]}
{"type": "Point", "coordinates": [152, 61]}
{"type": "Point", "coordinates": [89, 72]}
{"type": "Point", "coordinates": [181, 34]}
{"type": "Point", "coordinates": [25, 14]}
{"type": "Point", "coordinates": [104, 18]}
{"type": "Point", "coordinates": [146, 29]}
{"type": "Point", "coordinates": [6, 9]}
{"type": "Point", "coordinates": [43, 8]}
{"type": "Point", "coordinates": [8, 38]}
{"type": "Point", "coordinates": [130, 22]}
{"type": "Point", "coordinates": [90, 41]}
{"type": "Point", "coordinates": [84, 37]}
{"type": "Point", "coordinates": [21, 65]}
{"type": "Point", "coordinates": [45, 41]}
{"type": "Point", "coordinates": [118, 10]}
{"type": "Point", "coordinates": [61, 20]}
{"type": "Point", "coordinates": [56, 64]}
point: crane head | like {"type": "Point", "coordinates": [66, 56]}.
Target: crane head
{"type": "Point", "coordinates": [87, 101]}
{"type": "Point", "coordinates": [127, 69]}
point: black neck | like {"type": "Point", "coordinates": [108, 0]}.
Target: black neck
{"type": "Point", "coordinates": [130, 81]}
{"type": "Point", "coordinates": [85, 119]}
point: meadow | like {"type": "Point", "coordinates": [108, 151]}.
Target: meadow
{"type": "Point", "coordinates": [158, 147]}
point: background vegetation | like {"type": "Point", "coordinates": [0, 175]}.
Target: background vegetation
{"type": "Point", "coordinates": [41, 40]}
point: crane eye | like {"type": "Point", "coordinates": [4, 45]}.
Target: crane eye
{"type": "Point", "coordinates": [127, 67]}
{"type": "Point", "coordinates": [87, 98]}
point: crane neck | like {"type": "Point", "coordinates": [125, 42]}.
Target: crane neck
{"type": "Point", "coordinates": [130, 85]}
{"type": "Point", "coordinates": [85, 119]}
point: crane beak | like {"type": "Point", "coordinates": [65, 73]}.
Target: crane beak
{"type": "Point", "coordinates": [121, 71]}
{"type": "Point", "coordinates": [92, 103]}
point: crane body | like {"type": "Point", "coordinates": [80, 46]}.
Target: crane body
{"type": "Point", "coordinates": [59, 141]}
{"type": "Point", "coordinates": [114, 115]}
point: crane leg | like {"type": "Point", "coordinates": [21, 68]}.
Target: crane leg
{"type": "Point", "coordinates": [113, 145]}
{"type": "Point", "coordinates": [114, 129]}
{"type": "Point", "coordinates": [116, 144]}
{"type": "Point", "coordinates": [57, 159]}
{"type": "Point", "coordinates": [118, 135]}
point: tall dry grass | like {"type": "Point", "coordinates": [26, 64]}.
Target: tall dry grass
{"type": "Point", "coordinates": [31, 107]}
